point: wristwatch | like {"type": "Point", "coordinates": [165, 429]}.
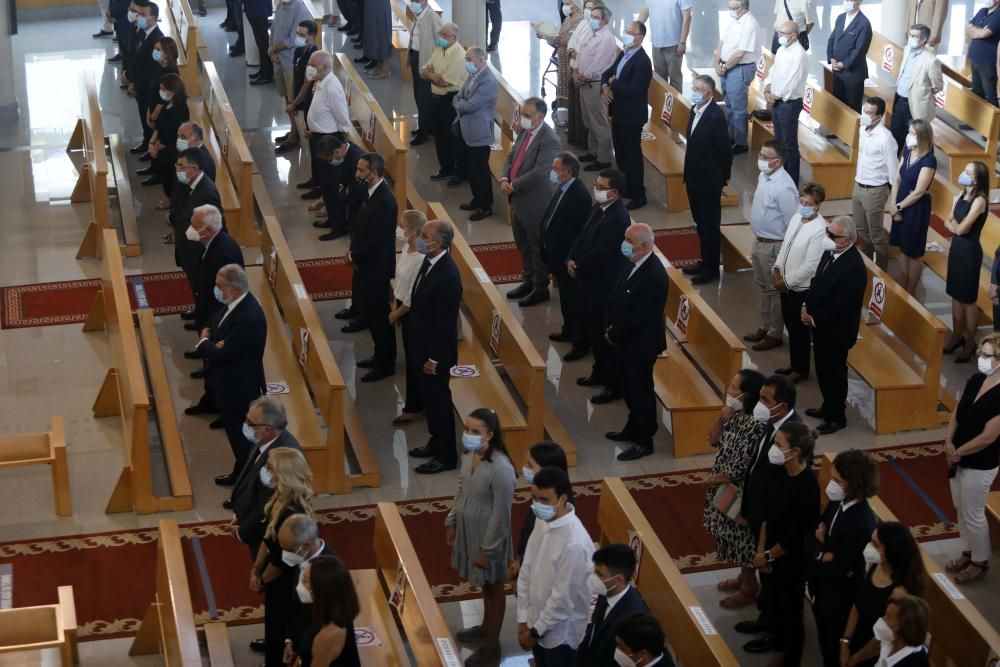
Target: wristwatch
{"type": "Point", "coordinates": [899, 207]}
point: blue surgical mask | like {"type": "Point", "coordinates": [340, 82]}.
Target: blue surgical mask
{"type": "Point", "coordinates": [416, 7]}
{"type": "Point", "coordinates": [964, 179]}
{"type": "Point", "coordinates": [554, 177]}
{"type": "Point", "coordinates": [442, 42]}
{"type": "Point", "coordinates": [219, 296]}
{"type": "Point", "coordinates": [913, 42]}
{"type": "Point", "coordinates": [300, 41]}
{"type": "Point", "coordinates": [141, 22]}
{"type": "Point", "coordinates": [472, 441]}
{"type": "Point", "coordinates": [627, 249]}
{"type": "Point", "coordinates": [595, 25]}
{"type": "Point", "coordinates": [471, 68]}
{"type": "Point", "coordinates": [628, 41]}
{"type": "Point", "coordinates": [806, 211]}
{"type": "Point", "coordinates": [248, 433]}
{"type": "Point", "coordinates": [528, 474]}
{"type": "Point", "coordinates": [421, 245]}
{"type": "Point", "coordinates": [157, 55]}
{"type": "Point", "coordinates": [336, 163]}
{"type": "Point", "coordinates": [266, 478]}
{"type": "Point", "coordinates": [182, 177]}
{"type": "Point", "coordinates": [543, 511]}
{"type": "Point", "coordinates": [697, 98]}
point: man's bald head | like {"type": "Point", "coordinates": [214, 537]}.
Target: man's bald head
{"type": "Point", "coordinates": [641, 238]}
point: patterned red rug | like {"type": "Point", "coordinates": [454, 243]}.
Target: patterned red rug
{"type": "Point", "coordinates": [110, 603]}
{"type": "Point", "coordinates": [44, 304]}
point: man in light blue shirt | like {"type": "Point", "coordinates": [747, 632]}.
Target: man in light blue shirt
{"type": "Point", "coordinates": [775, 202]}
{"type": "Point", "coordinates": [670, 23]}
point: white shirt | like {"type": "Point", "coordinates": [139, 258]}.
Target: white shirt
{"type": "Point", "coordinates": [328, 111]}
{"type": "Point", "coordinates": [787, 76]}
{"type": "Point", "coordinates": [613, 600]}
{"type": "Point", "coordinates": [801, 251]}
{"type": "Point", "coordinates": [803, 13]}
{"type": "Point", "coordinates": [581, 35]}
{"type": "Point", "coordinates": [373, 188]}
{"type": "Point", "coordinates": [193, 184]}
{"type": "Point", "coordinates": [848, 17]}
{"type": "Point", "coordinates": [877, 161]}
{"type": "Point", "coordinates": [775, 201]}
{"type": "Point", "coordinates": [552, 593]}
{"type": "Point", "coordinates": [886, 660]}
{"type": "Point", "coordinates": [698, 111]}
{"type": "Point", "coordinates": [406, 272]}
{"type": "Point", "coordinates": [319, 550]}
{"type": "Point", "coordinates": [415, 35]}
{"type": "Point", "coordinates": [666, 18]}
{"type": "Point", "coordinates": [741, 35]}
{"type": "Point", "coordinates": [844, 506]}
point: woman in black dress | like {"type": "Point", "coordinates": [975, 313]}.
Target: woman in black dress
{"type": "Point", "coordinates": [163, 144]}
{"type": "Point", "coordinates": [330, 639]}
{"type": "Point", "coordinates": [965, 258]}
{"type": "Point", "coordinates": [165, 55]}
{"type": "Point", "coordinates": [904, 631]}
{"type": "Point", "coordinates": [911, 203]}
{"type": "Point", "coordinates": [895, 568]}
{"type": "Point", "coordinates": [542, 454]}
{"type": "Point", "coordinates": [972, 448]}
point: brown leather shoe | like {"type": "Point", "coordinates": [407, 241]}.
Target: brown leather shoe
{"type": "Point", "coordinates": [756, 336]}
{"type": "Point", "coordinates": [767, 343]}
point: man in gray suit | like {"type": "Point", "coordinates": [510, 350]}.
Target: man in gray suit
{"type": "Point", "coordinates": [474, 108]}
{"type": "Point", "coordinates": [525, 181]}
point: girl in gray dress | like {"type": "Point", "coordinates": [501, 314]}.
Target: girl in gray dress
{"type": "Point", "coordinates": [478, 528]}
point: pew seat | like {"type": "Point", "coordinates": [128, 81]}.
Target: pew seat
{"type": "Point", "coordinates": [220, 652]}
{"type": "Point", "coordinates": [223, 179]}
{"type": "Point", "coordinates": [737, 246]}
{"type": "Point", "coordinates": [47, 448]}
{"type": "Point", "coordinates": [28, 631]}
{"type": "Point", "coordinates": [377, 615]}
{"type": "Point", "coordinates": [123, 192]}
{"type": "Point", "coordinates": [690, 399]}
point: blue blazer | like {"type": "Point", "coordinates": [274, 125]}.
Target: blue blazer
{"type": "Point", "coordinates": [631, 89]}
{"type": "Point", "coordinates": [235, 372]}
{"type": "Point", "coordinates": [475, 105]}
{"type": "Point", "coordinates": [851, 46]}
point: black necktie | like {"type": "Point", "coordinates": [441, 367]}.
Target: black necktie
{"type": "Point", "coordinates": [551, 210]}
{"type": "Point", "coordinates": [824, 262]}
{"type": "Point", "coordinates": [425, 266]}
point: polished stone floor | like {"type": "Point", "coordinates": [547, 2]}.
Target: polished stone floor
{"type": "Point", "coordinates": [57, 370]}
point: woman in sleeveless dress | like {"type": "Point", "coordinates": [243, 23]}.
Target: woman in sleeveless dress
{"type": "Point", "coordinates": [330, 640]}
{"type": "Point", "coordinates": [911, 208]}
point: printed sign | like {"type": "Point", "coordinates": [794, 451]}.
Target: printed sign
{"type": "Point", "coordinates": [668, 108]}
{"type": "Point", "coordinates": [447, 652]}
{"type": "Point", "coordinates": [349, 90]}
{"type": "Point", "coordinates": [366, 637]}
{"type": "Point", "coordinates": [635, 543]}
{"type": "Point", "coordinates": [140, 294]}
{"type": "Point", "coordinates": [949, 587]}
{"type": "Point", "coordinates": [495, 325]}
{"type": "Point", "coordinates": [703, 622]}
{"type": "Point", "coordinates": [370, 133]}
{"type": "Point", "coordinates": [279, 387]}
{"type": "Point", "coordinates": [300, 291]}
{"type": "Point", "coordinates": [398, 590]}
{"type": "Point", "coordinates": [304, 350]}
{"type": "Point", "coordinates": [272, 267]}
{"type": "Point", "coordinates": [464, 371]}
{"type": "Point", "coordinates": [877, 301]}
{"type": "Point", "coordinates": [683, 315]}
{"type": "Point", "coordinates": [481, 274]}
{"type": "Point", "coordinates": [807, 99]}
{"type": "Point", "coordinates": [761, 67]}
{"type": "Point", "coordinates": [888, 57]}
{"type": "Point", "coordinates": [515, 120]}
{"type": "Point", "coordinates": [941, 97]}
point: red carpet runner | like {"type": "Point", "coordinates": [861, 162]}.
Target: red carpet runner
{"type": "Point", "coordinates": [112, 573]}
{"type": "Point", "coordinates": [44, 304]}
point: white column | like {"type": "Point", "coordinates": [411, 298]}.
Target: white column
{"type": "Point", "coordinates": [893, 20]}
{"type": "Point", "coordinates": [8, 93]}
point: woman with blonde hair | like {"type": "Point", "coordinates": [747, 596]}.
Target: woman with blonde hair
{"type": "Point", "coordinates": [287, 472]}
{"type": "Point", "coordinates": [911, 210]}
{"type": "Point", "coordinates": [410, 224]}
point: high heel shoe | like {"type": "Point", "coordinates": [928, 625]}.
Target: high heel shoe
{"type": "Point", "coordinates": [966, 358]}
{"type": "Point", "coordinates": [954, 346]}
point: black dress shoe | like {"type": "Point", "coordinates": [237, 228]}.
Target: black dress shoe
{"type": "Point", "coordinates": [750, 627]}
{"type": "Point", "coordinates": [704, 278]}
{"type": "Point", "coordinates": [536, 297]}
{"type": "Point", "coordinates": [217, 424]}
{"type": "Point", "coordinates": [227, 504]}
{"type": "Point", "coordinates": [138, 148]}
{"type": "Point", "coordinates": [634, 452]}
{"type": "Point", "coordinates": [576, 353]}
{"type": "Point", "coordinates": [522, 290]}
{"type": "Point", "coordinates": [636, 204]}
{"type": "Point", "coordinates": [815, 413]}
{"type": "Point", "coordinates": [481, 214]}
{"type": "Point", "coordinates": [418, 140]}
{"type": "Point", "coordinates": [152, 180]}
{"type": "Point", "coordinates": [315, 193]}
{"type": "Point", "coordinates": [117, 58]}
{"type": "Point", "coordinates": [262, 80]}
{"type": "Point", "coordinates": [562, 336]}
{"type": "Point", "coordinates": [361, 59]}
{"type": "Point", "coordinates": [619, 436]}
{"type": "Point", "coordinates": [826, 428]}
{"type": "Point", "coordinates": [468, 207]}
{"type": "Point", "coordinates": [198, 409]}
{"type": "Point", "coordinates": [225, 480]}
{"type": "Point", "coordinates": [323, 224]}
{"type": "Point", "coordinates": [762, 644]}
{"type": "Point", "coordinates": [286, 146]}
{"type": "Point", "coordinates": [587, 157]}
{"type": "Point", "coordinates": [433, 467]}
{"type": "Point", "coordinates": [692, 270]}
{"type": "Point", "coordinates": [187, 315]}
{"type": "Point", "coordinates": [192, 354]}
{"type": "Point", "coordinates": [441, 176]}
{"type": "Point", "coordinates": [424, 452]}
{"type": "Point", "coordinates": [457, 181]}
{"type": "Point", "coordinates": [198, 374]}
{"type": "Point", "coordinates": [332, 236]}
{"type": "Point", "coordinates": [146, 157]}
{"type": "Point", "coordinates": [257, 645]}
{"type": "Point", "coordinates": [354, 327]}
{"type": "Point", "coordinates": [346, 314]}
{"type": "Point", "coordinates": [606, 396]}
{"type": "Point", "coordinates": [306, 185]}
{"type": "Point", "coordinates": [597, 166]}
{"type": "Point", "coordinates": [367, 363]}
{"type": "Point", "coordinates": [377, 374]}
{"type": "Point", "coordinates": [145, 171]}
{"type": "Point", "coordinates": [191, 326]}
{"type": "Point", "coordinates": [589, 381]}
{"type": "Point", "coordinates": [372, 64]}
{"type": "Point", "coordinates": [235, 52]}
{"type": "Point", "coordinates": [102, 33]}
{"type": "Point", "coordinates": [785, 371]}
{"type": "Point", "coordinates": [202, 12]}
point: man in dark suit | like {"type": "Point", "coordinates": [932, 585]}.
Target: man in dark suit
{"type": "Point", "coordinates": [300, 543]}
{"type": "Point", "coordinates": [708, 161]}
{"type": "Point", "coordinates": [432, 343]}
{"type": "Point", "coordinates": [611, 582]}
{"type": "Point", "coordinates": [191, 135]}
{"type": "Point", "coordinates": [846, 51]}
{"type": "Point", "coordinates": [625, 89]}
{"type": "Point", "coordinates": [233, 350]}
{"type": "Point", "coordinates": [144, 68]}
{"type": "Point", "coordinates": [219, 250]}
{"type": "Point", "coordinates": [194, 189]}
{"type": "Point", "coordinates": [833, 311]}
{"type": "Point", "coordinates": [593, 262]}
{"type": "Point", "coordinates": [342, 193]}
{"type": "Point", "coordinates": [561, 225]}
{"type": "Point", "coordinates": [636, 334]}
{"type": "Point", "coordinates": [640, 638]}
{"type": "Point", "coordinates": [373, 255]}
{"type": "Point", "coordinates": [120, 12]}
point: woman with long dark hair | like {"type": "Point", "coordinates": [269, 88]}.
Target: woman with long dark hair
{"type": "Point", "coordinates": [479, 530]}
{"type": "Point", "coordinates": [330, 639]}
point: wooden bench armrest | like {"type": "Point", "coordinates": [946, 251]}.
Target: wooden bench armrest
{"type": "Point", "coordinates": [220, 653]}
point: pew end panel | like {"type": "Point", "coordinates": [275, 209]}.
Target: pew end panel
{"type": "Point", "coordinates": [92, 183]}
{"type": "Point", "coordinates": [30, 630]}
{"type": "Point", "coordinates": [46, 448]}
{"type": "Point", "coordinates": [993, 518]}
{"type": "Point", "coordinates": [692, 403]}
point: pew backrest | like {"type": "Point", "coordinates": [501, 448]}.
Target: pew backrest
{"type": "Point", "coordinates": [507, 113]}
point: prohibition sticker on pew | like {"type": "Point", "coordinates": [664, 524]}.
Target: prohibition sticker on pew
{"type": "Point", "coordinates": [877, 301]}
{"type": "Point", "coordinates": [515, 120]}
{"type": "Point", "coordinates": [761, 66]}
{"type": "Point", "coordinates": [272, 268]}
{"type": "Point", "coordinates": [888, 57]}
{"type": "Point", "coordinates": [370, 134]}
{"type": "Point", "coordinates": [496, 324]}
{"type": "Point", "coordinates": [948, 587]}
{"type": "Point", "coordinates": [668, 107]}
{"type": "Point", "coordinates": [464, 371]}
{"type": "Point", "coordinates": [941, 97]}
{"type": "Point", "coordinates": [304, 350]}
{"type": "Point", "coordinates": [366, 637]}
{"type": "Point", "coordinates": [398, 590]}
{"type": "Point", "coordinates": [481, 274]}
{"type": "Point", "coordinates": [807, 99]}
{"type": "Point", "coordinates": [635, 543]}
{"type": "Point", "coordinates": [279, 387]}
{"type": "Point", "coordinates": [447, 652]}
{"type": "Point", "coordinates": [140, 294]}
{"type": "Point", "coordinates": [683, 314]}
{"type": "Point", "coordinates": [703, 622]}
{"type": "Point", "coordinates": [300, 291]}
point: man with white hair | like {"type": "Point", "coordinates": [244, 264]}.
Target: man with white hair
{"type": "Point", "coordinates": [634, 330]}
{"type": "Point", "coordinates": [327, 115]}
{"type": "Point", "coordinates": [832, 309]}
{"type": "Point", "coordinates": [232, 346]}
{"type": "Point", "coordinates": [207, 228]}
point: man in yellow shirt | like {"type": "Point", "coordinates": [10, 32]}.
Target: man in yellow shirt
{"type": "Point", "coordinates": [446, 71]}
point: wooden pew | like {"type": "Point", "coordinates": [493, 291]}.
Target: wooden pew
{"type": "Point", "coordinates": [426, 632]}
{"type": "Point", "coordinates": [373, 131]}
{"type": "Point", "coordinates": [31, 630]}
{"type": "Point", "coordinates": [47, 448]}
{"type": "Point", "coordinates": [168, 627]}
{"type": "Point", "coordinates": [524, 413]}
{"type": "Point", "coordinates": [830, 165]}
{"type": "Point", "coordinates": [178, 22]}
{"type": "Point", "coordinates": [234, 161]}
{"type": "Point", "coordinates": [279, 287]}
{"type": "Point", "coordinates": [705, 348]}
{"type": "Point", "coordinates": [737, 246]}
{"type": "Point", "coordinates": [690, 635]}
{"type": "Point", "coordinates": [507, 117]}
{"type": "Point", "coordinates": [900, 359]}
{"type": "Point", "coordinates": [124, 393]}
{"type": "Point", "coordinates": [668, 122]}
{"type": "Point", "coordinates": [957, 68]}
{"type": "Point", "coordinates": [960, 635]}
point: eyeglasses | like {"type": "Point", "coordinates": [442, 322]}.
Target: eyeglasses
{"type": "Point", "coordinates": [835, 236]}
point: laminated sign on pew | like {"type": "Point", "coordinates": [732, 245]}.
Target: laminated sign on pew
{"type": "Point", "coordinates": [683, 314]}
{"type": "Point", "coordinates": [877, 301]}
{"type": "Point", "coordinates": [668, 107]}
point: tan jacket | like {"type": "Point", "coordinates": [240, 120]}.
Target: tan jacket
{"type": "Point", "coordinates": [927, 82]}
{"type": "Point", "coordinates": [931, 13]}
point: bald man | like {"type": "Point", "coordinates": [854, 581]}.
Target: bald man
{"type": "Point", "coordinates": [634, 330]}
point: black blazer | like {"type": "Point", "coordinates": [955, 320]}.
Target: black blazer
{"type": "Point", "coordinates": [759, 475]}
{"type": "Point", "coordinates": [250, 495]}
{"type": "Point", "coordinates": [561, 226]}
{"type": "Point", "coordinates": [708, 158]}
{"type": "Point", "coordinates": [235, 372]}
{"type": "Point", "coordinates": [167, 123]}
{"type": "Point", "coordinates": [851, 46]}
{"type": "Point", "coordinates": [208, 161]}
{"type": "Point", "coordinates": [144, 67]}
{"type": "Point", "coordinates": [433, 316]}
{"type": "Point", "coordinates": [635, 309]}
{"type": "Point", "coordinates": [373, 235]}
{"type": "Point", "coordinates": [128, 52]}
{"type": "Point", "coordinates": [221, 251]}
{"type": "Point", "coordinates": [835, 296]}
{"type": "Point", "coordinates": [851, 532]}
{"type": "Point", "coordinates": [151, 93]}
{"type": "Point", "coordinates": [183, 202]}
{"type": "Point", "coordinates": [630, 105]}
{"type": "Point", "coordinates": [598, 646]}
{"type": "Point", "coordinates": [597, 250]}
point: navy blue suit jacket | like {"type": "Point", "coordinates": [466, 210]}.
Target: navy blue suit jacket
{"type": "Point", "coordinates": [221, 251]}
{"type": "Point", "coordinates": [851, 46]}
{"type": "Point", "coordinates": [235, 371]}
{"type": "Point", "coordinates": [631, 89]}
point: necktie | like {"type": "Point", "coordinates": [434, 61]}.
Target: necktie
{"type": "Point", "coordinates": [551, 210]}
{"type": "Point", "coordinates": [516, 166]}
{"type": "Point", "coordinates": [424, 268]}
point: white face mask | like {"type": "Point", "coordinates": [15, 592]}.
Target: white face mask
{"type": "Point", "coordinates": [290, 558]}
{"type": "Point", "coordinates": [600, 195]}
{"type": "Point", "coordinates": [782, 40]}
{"type": "Point", "coordinates": [834, 491]}
{"type": "Point", "coordinates": [311, 73]}
{"type": "Point", "coordinates": [763, 165]}
{"type": "Point", "coordinates": [182, 145]}
{"type": "Point", "coordinates": [986, 366]}
{"type": "Point", "coordinates": [567, 10]}
{"type": "Point", "coordinates": [623, 660]}
{"type": "Point", "coordinates": [913, 42]}
{"type": "Point", "coordinates": [267, 478]}
{"type": "Point", "coordinates": [400, 234]}
{"type": "Point", "coordinates": [304, 595]}
{"type": "Point", "coordinates": [828, 244]}
{"type": "Point", "coordinates": [882, 631]}
{"type": "Point", "coordinates": [871, 554]}
{"type": "Point", "coordinates": [911, 141]}
{"type": "Point", "coordinates": [761, 412]}
{"type": "Point", "coordinates": [596, 585]}
{"type": "Point", "coordinates": [867, 120]}
{"type": "Point", "coordinates": [191, 234]}
{"type": "Point", "coordinates": [734, 402]}
{"type": "Point", "coordinates": [526, 123]}
{"type": "Point", "coordinates": [848, 5]}
{"type": "Point", "coordinates": [776, 456]}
